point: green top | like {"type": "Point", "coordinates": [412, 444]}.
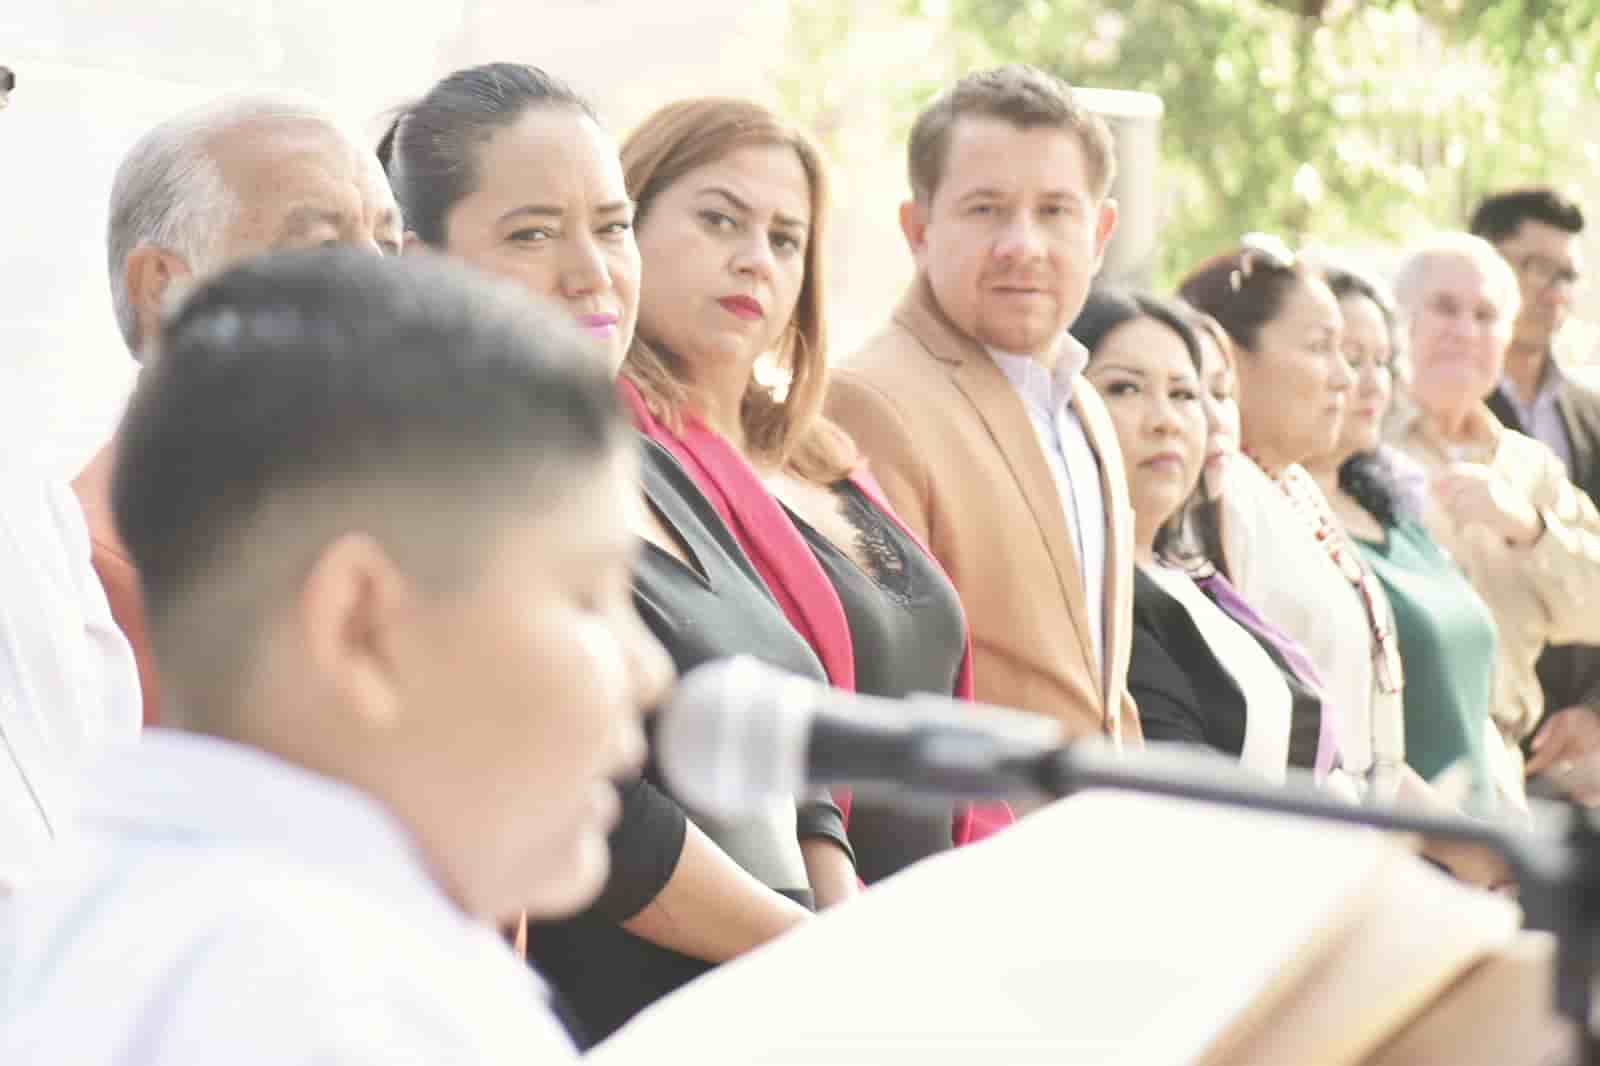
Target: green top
{"type": "Point", "coordinates": [1447, 644]}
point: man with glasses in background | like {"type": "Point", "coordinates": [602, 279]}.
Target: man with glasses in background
{"type": "Point", "coordinates": [1539, 232]}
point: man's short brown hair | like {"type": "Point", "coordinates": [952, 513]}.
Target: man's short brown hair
{"type": "Point", "coordinates": [1024, 96]}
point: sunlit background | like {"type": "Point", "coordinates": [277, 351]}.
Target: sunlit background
{"type": "Point", "coordinates": [1336, 123]}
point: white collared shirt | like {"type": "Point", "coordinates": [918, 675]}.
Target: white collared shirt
{"type": "Point", "coordinates": [68, 684]}
{"type": "Point", "coordinates": [1047, 397]}
{"type": "Point", "coordinates": [218, 905]}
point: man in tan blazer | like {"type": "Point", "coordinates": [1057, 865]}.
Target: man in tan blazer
{"type": "Point", "coordinates": [196, 193]}
{"type": "Point", "coordinates": [971, 408]}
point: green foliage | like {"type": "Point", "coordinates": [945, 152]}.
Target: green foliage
{"type": "Point", "coordinates": [1357, 125]}
{"type": "Point", "coordinates": [1349, 128]}
{"type": "Point", "coordinates": [1526, 34]}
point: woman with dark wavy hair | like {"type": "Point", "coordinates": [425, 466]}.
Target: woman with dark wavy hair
{"type": "Point", "coordinates": [1445, 630]}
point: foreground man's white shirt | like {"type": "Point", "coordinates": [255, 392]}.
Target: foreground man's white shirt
{"type": "Point", "coordinates": [68, 685]}
{"type": "Point", "coordinates": [217, 905]}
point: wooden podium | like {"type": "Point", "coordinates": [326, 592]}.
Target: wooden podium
{"type": "Point", "coordinates": [1119, 929]}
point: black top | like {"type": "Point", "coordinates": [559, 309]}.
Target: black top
{"type": "Point", "coordinates": [713, 607]}
{"type": "Point", "coordinates": [1185, 695]}
{"type": "Point", "coordinates": [906, 631]}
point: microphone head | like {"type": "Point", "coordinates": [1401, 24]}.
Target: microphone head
{"type": "Point", "coordinates": [733, 735]}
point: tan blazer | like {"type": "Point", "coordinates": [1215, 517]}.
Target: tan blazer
{"type": "Point", "coordinates": [950, 441]}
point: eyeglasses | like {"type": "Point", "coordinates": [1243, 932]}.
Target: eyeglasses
{"type": "Point", "coordinates": [1546, 273]}
{"type": "Point", "coordinates": [1260, 249]}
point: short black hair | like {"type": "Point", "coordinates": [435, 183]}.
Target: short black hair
{"type": "Point", "coordinates": [306, 394]}
{"type": "Point", "coordinates": [430, 150]}
{"type": "Point", "coordinates": [1500, 216]}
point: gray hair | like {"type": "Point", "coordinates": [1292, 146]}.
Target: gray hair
{"type": "Point", "coordinates": [169, 191]}
{"type": "Point", "coordinates": [1421, 257]}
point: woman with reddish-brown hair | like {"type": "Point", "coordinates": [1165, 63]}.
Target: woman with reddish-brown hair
{"type": "Point", "coordinates": [731, 216]}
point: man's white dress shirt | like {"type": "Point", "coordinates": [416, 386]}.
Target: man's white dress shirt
{"type": "Point", "coordinates": [218, 905]}
{"type": "Point", "coordinates": [68, 684]}
{"type": "Point", "coordinates": [1047, 397]}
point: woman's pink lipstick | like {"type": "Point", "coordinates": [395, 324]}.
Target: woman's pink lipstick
{"type": "Point", "coordinates": [601, 325]}
{"type": "Point", "coordinates": [745, 307]}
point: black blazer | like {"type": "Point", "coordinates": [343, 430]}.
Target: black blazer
{"type": "Point", "coordinates": [1183, 693]}
{"type": "Point", "coordinates": [1569, 673]}
{"type": "Point", "coordinates": [1186, 695]}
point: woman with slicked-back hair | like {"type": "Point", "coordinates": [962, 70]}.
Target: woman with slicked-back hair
{"type": "Point", "coordinates": [505, 167]}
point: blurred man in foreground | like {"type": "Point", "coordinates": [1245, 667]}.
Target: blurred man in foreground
{"type": "Point", "coordinates": [397, 723]}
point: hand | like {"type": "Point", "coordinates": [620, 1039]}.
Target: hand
{"type": "Point", "coordinates": [828, 868]}
{"type": "Point", "coordinates": [1473, 864]}
{"type": "Point", "coordinates": [1472, 494]}
{"type": "Point", "coordinates": [1568, 738]}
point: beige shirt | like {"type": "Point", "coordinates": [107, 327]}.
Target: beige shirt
{"type": "Point", "coordinates": [1541, 593]}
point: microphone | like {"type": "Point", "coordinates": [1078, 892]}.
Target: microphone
{"type": "Point", "coordinates": [736, 734]}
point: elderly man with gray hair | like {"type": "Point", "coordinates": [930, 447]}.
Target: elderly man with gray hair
{"type": "Point", "coordinates": [195, 194]}
{"type": "Point", "coordinates": [1500, 502]}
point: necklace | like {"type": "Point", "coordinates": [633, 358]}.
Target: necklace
{"type": "Point", "coordinates": [1297, 485]}
{"type": "Point", "coordinates": [1387, 671]}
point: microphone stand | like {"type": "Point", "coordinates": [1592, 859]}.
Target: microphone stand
{"type": "Point", "coordinates": [1559, 880]}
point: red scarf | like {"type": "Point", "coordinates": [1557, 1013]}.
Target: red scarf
{"type": "Point", "coordinates": [786, 563]}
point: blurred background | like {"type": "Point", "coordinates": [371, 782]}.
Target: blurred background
{"type": "Point", "coordinates": [1340, 123]}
